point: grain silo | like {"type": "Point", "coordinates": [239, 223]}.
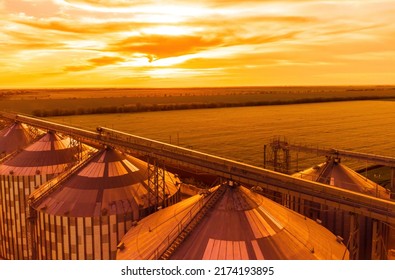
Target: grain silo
{"type": "Point", "coordinates": [229, 223]}
{"type": "Point", "coordinates": [20, 175]}
{"type": "Point", "coordinates": [14, 137]}
{"type": "Point", "coordinates": [86, 215]}
{"type": "Point", "coordinates": [334, 173]}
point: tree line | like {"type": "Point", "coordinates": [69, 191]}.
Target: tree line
{"type": "Point", "coordinates": [138, 107]}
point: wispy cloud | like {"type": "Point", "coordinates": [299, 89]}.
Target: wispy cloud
{"type": "Point", "coordinates": [94, 63]}
{"type": "Point", "coordinates": [81, 27]}
{"type": "Point", "coordinates": [161, 46]}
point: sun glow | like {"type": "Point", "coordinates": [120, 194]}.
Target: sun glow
{"type": "Point", "coordinates": [85, 44]}
{"type": "Point", "coordinates": [171, 30]}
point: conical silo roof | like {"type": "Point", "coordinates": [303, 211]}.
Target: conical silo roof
{"type": "Point", "coordinates": [333, 172]}
{"type": "Point", "coordinates": [51, 154]}
{"type": "Point", "coordinates": [111, 183]}
{"type": "Point", "coordinates": [13, 138]}
{"type": "Point", "coordinates": [241, 225]}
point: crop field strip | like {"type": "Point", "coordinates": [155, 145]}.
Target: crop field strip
{"type": "Point", "coordinates": [98, 101]}
{"type": "Point", "coordinates": [240, 133]}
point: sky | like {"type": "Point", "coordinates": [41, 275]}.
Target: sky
{"type": "Point", "coordinates": [206, 43]}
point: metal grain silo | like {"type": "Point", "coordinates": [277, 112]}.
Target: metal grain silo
{"type": "Point", "coordinates": [334, 173]}
{"type": "Point", "coordinates": [20, 175]}
{"type": "Point", "coordinates": [229, 223]}
{"type": "Point", "coordinates": [13, 138]}
{"type": "Point", "coordinates": [85, 216]}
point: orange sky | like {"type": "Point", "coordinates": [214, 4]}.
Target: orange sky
{"type": "Point", "coordinates": [178, 43]}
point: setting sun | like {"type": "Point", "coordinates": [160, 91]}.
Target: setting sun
{"type": "Point", "coordinates": [84, 43]}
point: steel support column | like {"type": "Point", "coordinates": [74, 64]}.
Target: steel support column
{"type": "Point", "coordinates": [393, 180]}
{"type": "Point", "coordinates": [156, 183]}
{"type": "Point", "coordinates": [281, 156]}
{"type": "Point", "coordinates": [74, 143]}
{"type": "Point", "coordinates": [31, 237]}
{"type": "Point", "coordinates": [353, 242]}
{"type": "Point", "coordinates": [378, 240]}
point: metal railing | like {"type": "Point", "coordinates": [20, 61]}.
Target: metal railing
{"type": "Point", "coordinates": [50, 186]}
{"type": "Point", "coordinates": [373, 188]}
{"type": "Point", "coordinates": [176, 231]}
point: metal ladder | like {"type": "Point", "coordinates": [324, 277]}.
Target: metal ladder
{"type": "Point", "coordinates": [193, 223]}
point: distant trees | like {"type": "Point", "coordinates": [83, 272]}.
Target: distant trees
{"type": "Point", "coordinates": [139, 107]}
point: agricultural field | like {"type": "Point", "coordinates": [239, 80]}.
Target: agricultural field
{"type": "Point", "coordinates": [240, 133]}
{"type": "Point", "coordinates": [63, 102]}
{"type": "Point", "coordinates": [303, 114]}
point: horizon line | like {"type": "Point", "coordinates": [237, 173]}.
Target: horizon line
{"type": "Point", "coordinates": [195, 87]}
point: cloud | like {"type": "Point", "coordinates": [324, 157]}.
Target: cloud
{"type": "Point", "coordinates": [81, 27]}
{"type": "Point", "coordinates": [352, 29]}
{"type": "Point", "coordinates": [94, 63]}
{"type": "Point", "coordinates": [161, 46]}
{"type": "Point", "coordinates": [109, 3]}
{"type": "Point", "coordinates": [77, 68]}
{"type": "Point", "coordinates": [244, 39]}
{"type": "Point", "coordinates": [39, 8]}
{"type": "Point", "coordinates": [258, 40]}
{"type": "Point", "coordinates": [15, 41]}
{"type": "Point", "coordinates": [105, 60]}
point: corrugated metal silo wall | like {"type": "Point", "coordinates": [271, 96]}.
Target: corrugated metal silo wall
{"type": "Point", "coordinates": [336, 220]}
{"type": "Point", "coordinates": [79, 238]}
{"type": "Point", "coordinates": [83, 238]}
{"type": "Point", "coordinates": [14, 233]}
